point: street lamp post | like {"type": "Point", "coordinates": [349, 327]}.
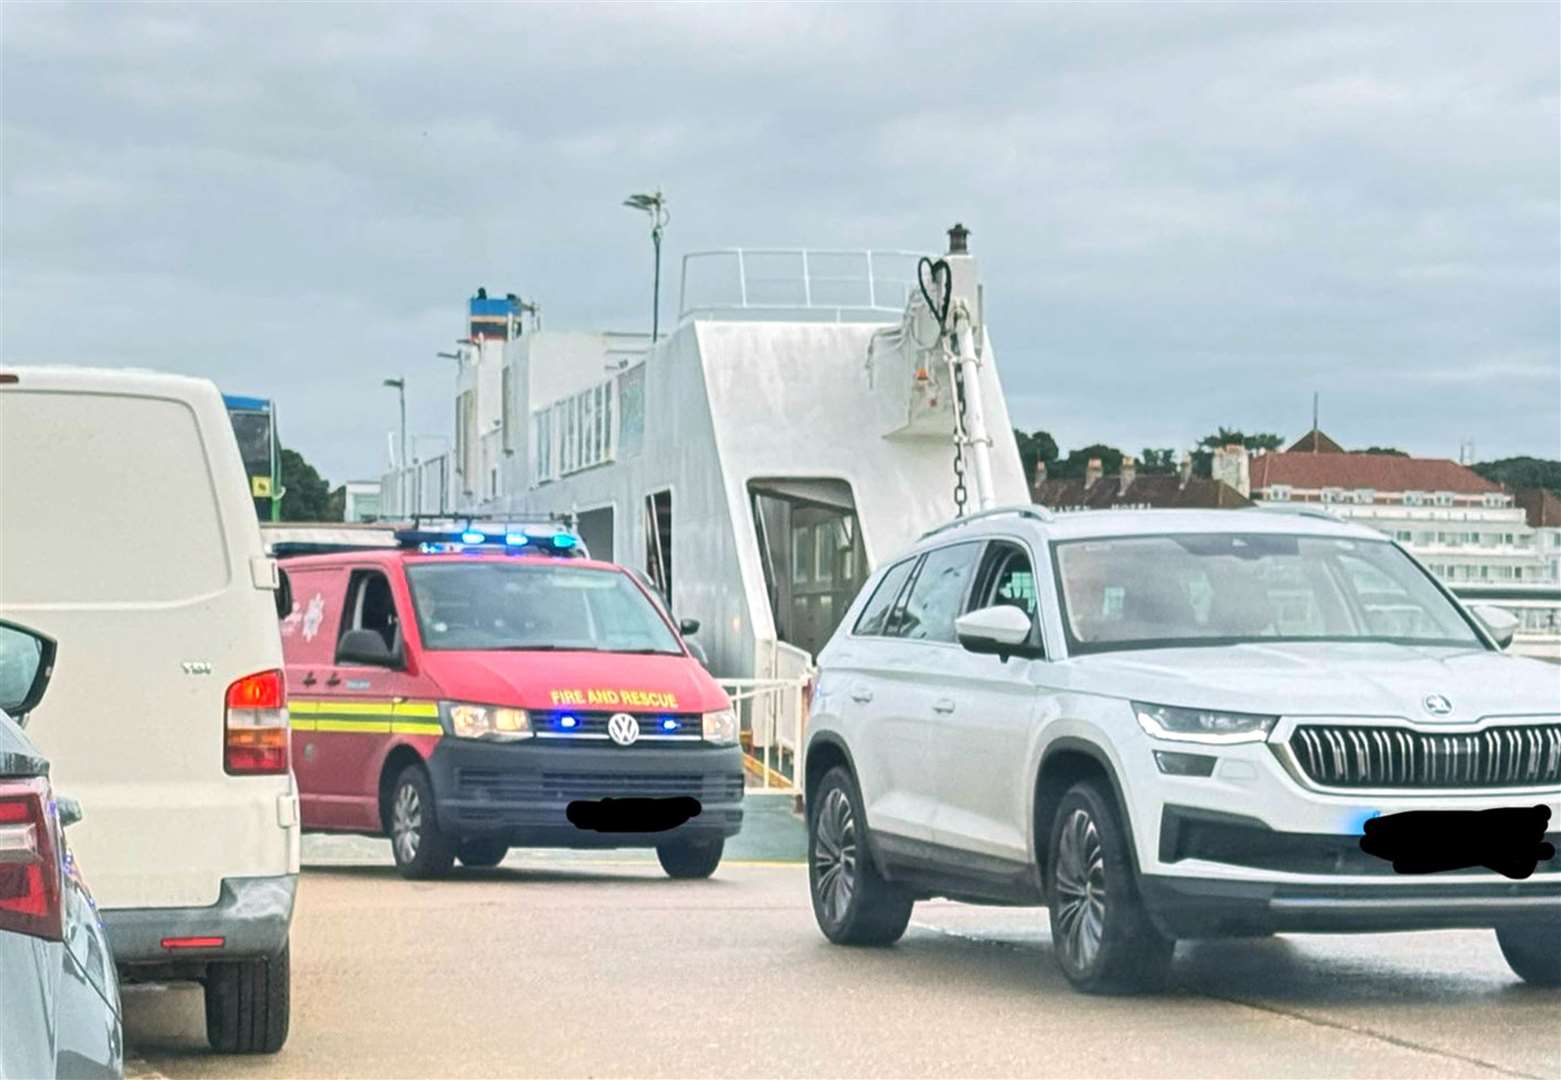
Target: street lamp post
{"type": "Point", "coordinates": [400, 386]}
{"type": "Point", "coordinates": [656, 206]}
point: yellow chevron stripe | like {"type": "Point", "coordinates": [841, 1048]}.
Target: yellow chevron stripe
{"type": "Point", "coordinates": [381, 727]}
{"type": "Point", "coordinates": [408, 727]}
{"type": "Point", "coordinates": [300, 725]}
{"type": "Point", "coordinates": [415, 708]}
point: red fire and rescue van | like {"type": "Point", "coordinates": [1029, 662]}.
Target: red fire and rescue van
{"type": "Point", "coordinates": [488, 686]}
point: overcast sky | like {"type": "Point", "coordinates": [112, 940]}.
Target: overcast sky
{"type": "Point", "coordinates": [1187, 215]}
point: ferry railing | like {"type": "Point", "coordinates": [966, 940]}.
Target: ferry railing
{"type": "Point", "coordinates": [772, 721]}
{"type": "Point", "coordinates": [811, 283]}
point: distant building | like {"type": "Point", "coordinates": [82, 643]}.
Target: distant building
{"type": "Point", "coordinates": [1543, 511]}
{"type": "Point", "coordinates": [1130, 491]}
{"type": "Point", "coordinates": [360, 500]}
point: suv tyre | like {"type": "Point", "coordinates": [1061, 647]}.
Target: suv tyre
{"type": "Point", "coordinates": [421, 850]}
{"type": "Point", "coordinates": [1533, 952]}
{"type": "Point", "coordinates": [852, 903]}
{"type": "Point", "coordinates": [1101, 935]}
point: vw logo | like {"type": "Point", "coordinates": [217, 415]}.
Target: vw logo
{"type": "Point", "coordinates": [623, 729]}
{"type": "Point", "coordinates": [1437, 705]}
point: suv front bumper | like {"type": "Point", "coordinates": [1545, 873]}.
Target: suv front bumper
{"type": "Point", "coordinates": [251, 916]}
{"type": "Point", "coordinates": [520, 792]}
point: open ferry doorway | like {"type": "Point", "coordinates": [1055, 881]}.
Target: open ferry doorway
{"type": "Point", "coordinates": [814, 561]}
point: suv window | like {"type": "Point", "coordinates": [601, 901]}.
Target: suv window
{"type": "Point", "coordinates": [875, 615]}
{"type": "Point", "coordinates": [370, 606]}
{"type": "Point", "coordinates": [1006, 578]}
{"type": "Point", "coordinates": [936, 594]}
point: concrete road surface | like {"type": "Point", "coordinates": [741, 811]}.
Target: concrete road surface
{"type": "Point", "coordinates": [561, 964]}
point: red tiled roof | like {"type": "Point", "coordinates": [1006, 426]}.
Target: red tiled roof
{"type": "Point", "coordinates": [1542, 506]}
{"type": "Point", "coordinates": [1315, 442]}
{"type": "Point", "coordinates": [1380, 472]}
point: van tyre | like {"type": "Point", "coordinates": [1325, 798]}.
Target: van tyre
{"type": "Point", "coordinates": [481, 854]}
{"type": "Point", "coordinates": [247, 1004]}
{"type": "Point", "coordinates": [1532, 952]}
{"type": "Point", "coordinates": [691, 858]}
{"type": "Point", "coordinates": [421, 850]}
{"type": "Point", "coordinates": [853, 904]}
{"type": "Point", "coordinates": [1101, 935]}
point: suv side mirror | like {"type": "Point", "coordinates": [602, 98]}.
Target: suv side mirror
{"type": "Point", "coordinates": [26, 664]}
{"type": "Point", "coordinates": [365, 647]}
{"type": "Point", "coordinates": [688, 626]}
{"type": "Point", "coordinates": [284, 594]}
{"type": "Point", "coordinates": [1501, 624]}
{"type": "Point", "coordinates": [1002, 630]}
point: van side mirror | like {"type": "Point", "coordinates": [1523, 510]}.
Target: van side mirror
{"type": "Point", "coordinates": [69, 810]}
{"type": "Point", "coordinates": [284, 594]}
{"type": "Point", "coordinates": [688, 626]}
{"type": "Point", "coordinates": [1001, 630]}
{"type": "Point", "coordinates": [1501, 624]}
{"type": "Point", "coordinates": [26, 664]}
{"type": "Point", "coordinates": [365, 647]}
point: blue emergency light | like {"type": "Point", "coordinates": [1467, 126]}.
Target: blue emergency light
{"type": "Point", "coordinates": [473, 538]}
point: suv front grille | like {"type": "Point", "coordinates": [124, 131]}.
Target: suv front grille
{"type": "Point", "coordinates": [1389, 757]}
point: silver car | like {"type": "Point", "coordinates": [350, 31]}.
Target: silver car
{"type": "Point", "coordinates": [59, 995]}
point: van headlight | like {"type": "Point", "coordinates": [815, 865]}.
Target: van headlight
{"type": "Point", "coordinates": [496, 723]}
{"type": "Point", "coordinates": [1202, 725]}
{"type": "Point", "coordinates": [720, 727]}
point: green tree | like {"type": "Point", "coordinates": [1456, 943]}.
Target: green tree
{"type": "Point", "coordinates": [1074, 465]}
{"type": "Point", "coordinates": [1522, 472]}
{"type": "Point", "coordinates": [1033, 447]}
{"type": "Point", "coordinates": [1394, 451]}
{"type": "Point", "coordinates": [306, 494]}
{"type": "Point", "coordinates": [1152, 461]}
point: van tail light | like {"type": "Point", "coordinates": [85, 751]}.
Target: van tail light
{"type": "Point", "coordinates": [31, 878]}
{"type": "Point", "coordinates": [256, 739]}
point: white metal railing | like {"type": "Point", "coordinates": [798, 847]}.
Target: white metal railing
{"type": "Point", "coordinates": [772, 722]}
{"type": "Point", "coordinates": [837, 285]}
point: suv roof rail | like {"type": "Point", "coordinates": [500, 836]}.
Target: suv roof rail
{"type": "Point", "coordinates": [1300, 511]}
{"type": "Point", "coordinates": [1032, 511]}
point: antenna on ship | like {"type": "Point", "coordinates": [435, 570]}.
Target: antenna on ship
{"type": "Point", "coordinates": [655, 205]}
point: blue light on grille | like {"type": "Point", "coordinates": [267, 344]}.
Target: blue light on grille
{"type": "Point", "coordinates": [568, 722]}
{"type": "Point", "coordinates": [669, 724]}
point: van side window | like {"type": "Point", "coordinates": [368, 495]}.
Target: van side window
{"type": "Point", "coordinates": [371, 606]}
{"type": "Point", "coordinates": [937, 593]}
{"type": "Point", "coordinates": [875, 616]}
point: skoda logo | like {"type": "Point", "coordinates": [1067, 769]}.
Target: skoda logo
{"type": "Point", "coordinates": [1437, 705]}
{"type": "Point", "coordinates": [623, 729]}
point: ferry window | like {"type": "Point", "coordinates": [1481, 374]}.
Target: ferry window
{"type": "Point", "coordinates": [370, 606]}
{"type": "Point", "coordinates": [658, 541]}
{"type": "Point", "coordinates": [937, 593]}
{"type": "Point", "coordinates": [875, 615]}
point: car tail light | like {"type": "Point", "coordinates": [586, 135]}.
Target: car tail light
{"type": "Point", "coordinates": [30, 875]}
{"type": "Point", "coordinates": [256, 741]}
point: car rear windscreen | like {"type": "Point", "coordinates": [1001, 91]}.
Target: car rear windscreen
{"type": "Point", "coordinates": [105, 499]}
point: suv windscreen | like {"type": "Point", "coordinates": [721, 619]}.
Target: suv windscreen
{"type": "Point", "coordinates": [1144, 592]}
{"type": "Point", "coordinates": [494, 605]}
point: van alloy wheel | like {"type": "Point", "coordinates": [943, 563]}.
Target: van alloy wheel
{"type": "Point", "coordinates": [406, 822]}
{"type": "Point", "coordinates": [834, 854]}
{"type": "Point", "coordinates": [1081, 890]}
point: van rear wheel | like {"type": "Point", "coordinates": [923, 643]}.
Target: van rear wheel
{"type": "Point", "coordinates": [421, 850]}
{"type": "Point", "coordinates": [248, 1004]}
{"type": "Point", "coordinates": [691, 858]}
{"type": "Point", "coordinates": [480, 854]}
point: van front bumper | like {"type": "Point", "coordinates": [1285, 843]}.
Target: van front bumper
{"type": "Point", "coordinates": [520, 793]}
{"type": "Point", "coordinates": [251, 916]}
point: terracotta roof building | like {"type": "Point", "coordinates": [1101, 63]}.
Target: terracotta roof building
{"type": "Point", "coordinates": [1464, 527]}
{"type": "Point", "coordinates": [1543, 510]}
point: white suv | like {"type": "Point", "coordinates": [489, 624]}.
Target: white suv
{"type": "Point", "coordinates": [1165, 724]}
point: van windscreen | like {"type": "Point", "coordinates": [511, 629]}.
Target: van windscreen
{"type": "Point", "coordinates": [534, 606]}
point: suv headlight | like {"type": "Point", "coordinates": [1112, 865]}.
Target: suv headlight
{"type": "Point", "coordinates": [720, 727]}
{"type": "Point", "coordinates": [1202, 725]}
{"type": "Point", "coordinates": [496, 723]}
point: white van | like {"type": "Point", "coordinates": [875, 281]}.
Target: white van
{"type": "Point", "coordinates": [127, 534]}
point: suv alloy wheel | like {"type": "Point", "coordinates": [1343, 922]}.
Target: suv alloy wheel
{"type": "Point", "coordinates": [852, 903]}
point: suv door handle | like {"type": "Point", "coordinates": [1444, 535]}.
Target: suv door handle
{"type": "Point", "coordinates": [861, 694]}
{"type": "Point", "coordinates": [943, 705]}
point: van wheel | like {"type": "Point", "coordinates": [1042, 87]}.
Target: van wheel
{"type": "Point", "coordinates": [691, 858]}
{"type": "Point", "coordinates": [247, 1004]}
{"type": "Point", "coordinates": [420, 849]}
{"type": "Point", "coordinates": [1101, 935]}
{"type": "Point", "coordinates": [1532, 952]}
{"type": "Point", "coordinates": [481, 854]}
{"type": "Point", "coordinates": [851, 902]}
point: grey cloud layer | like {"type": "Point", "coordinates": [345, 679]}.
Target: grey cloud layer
{"type": "Point", "coordinates": [1188, 215]}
